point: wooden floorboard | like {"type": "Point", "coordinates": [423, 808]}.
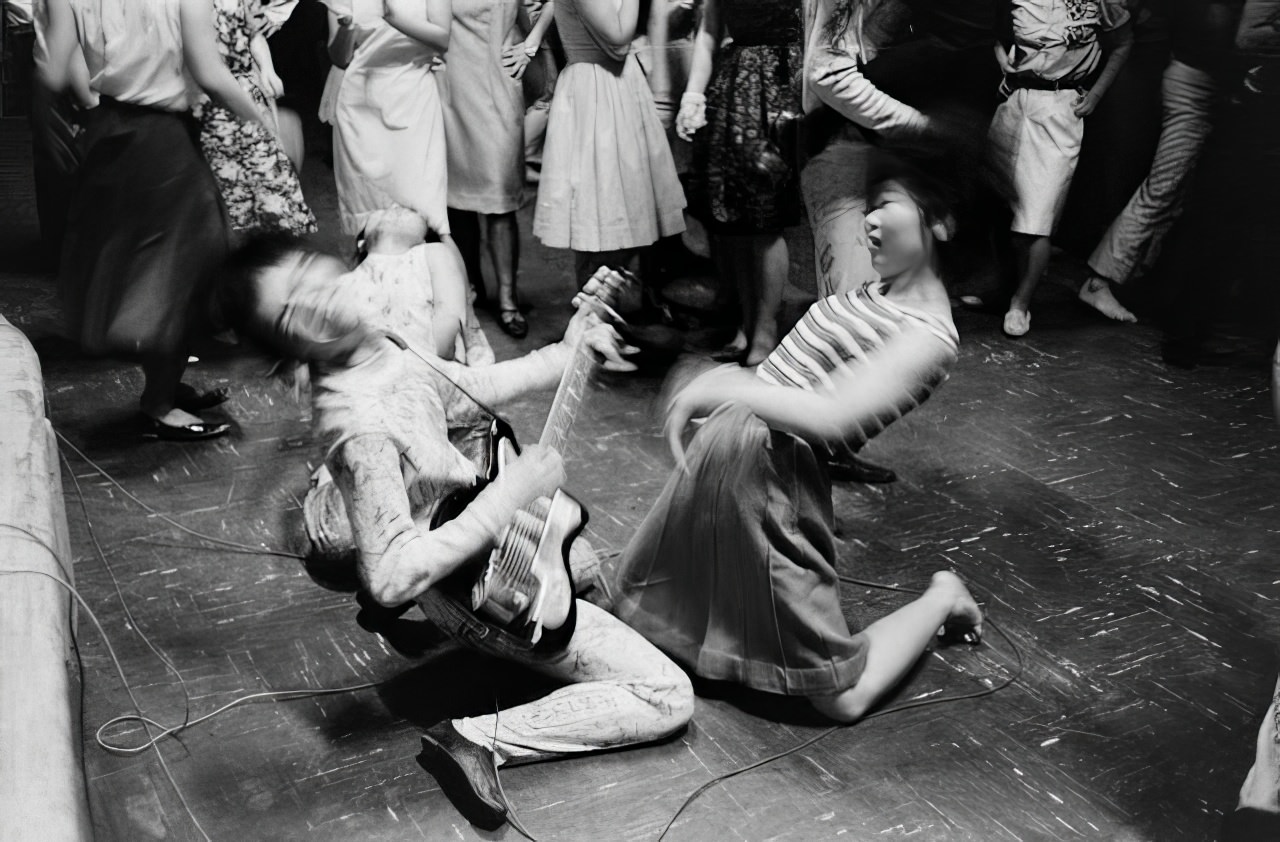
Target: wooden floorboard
{"type": "Point", "coordinates": [1116, 517]}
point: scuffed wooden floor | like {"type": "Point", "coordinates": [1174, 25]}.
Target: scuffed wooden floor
{"type": "Point", "coordinates": [1117, 518]}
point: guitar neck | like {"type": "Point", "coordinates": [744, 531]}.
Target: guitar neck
{"type": "Point", "coordinates": [569, 395]}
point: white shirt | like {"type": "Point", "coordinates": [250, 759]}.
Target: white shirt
{"type": "Point", "coordinates": [134, 51]}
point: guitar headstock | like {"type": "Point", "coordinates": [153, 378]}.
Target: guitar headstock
{"type": "Point", "coordinates": [606, 290]}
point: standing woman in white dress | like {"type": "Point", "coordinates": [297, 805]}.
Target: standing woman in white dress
{"type": "Point", "coordinates": [609, 184]}
{"type": "Point", "coordinates": [146, 225]}
{"type": "Point", "coordinates": [388, 137]}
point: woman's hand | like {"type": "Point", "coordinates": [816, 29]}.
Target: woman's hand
{"type": "Point", "coordinates": [692, 115]}
{"type": "Point", "coordinates": [516, 58]}
{"type": "Point", "coordinates": [699, 399]}
{"type": "Point", "coordinates": [272, 83]}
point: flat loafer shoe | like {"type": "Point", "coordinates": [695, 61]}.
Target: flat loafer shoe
{"type": "Point", "coordinates": [188, 432]}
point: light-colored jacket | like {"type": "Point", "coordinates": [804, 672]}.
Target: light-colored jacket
{"type": "Point", "coordinates": [833, 68]}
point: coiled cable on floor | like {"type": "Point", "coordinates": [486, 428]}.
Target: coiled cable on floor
{"type": "Point", "coordinates": [153, 737]}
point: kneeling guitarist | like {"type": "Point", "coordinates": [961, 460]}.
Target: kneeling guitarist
{"type": "Point", "coordinates": [383, 412]}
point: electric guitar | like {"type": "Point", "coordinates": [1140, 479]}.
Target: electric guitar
{"type": "Point", "coordinates": [511, 589]}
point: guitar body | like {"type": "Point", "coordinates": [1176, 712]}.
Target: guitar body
{"type": "Point", "coordinates": [509, 591]}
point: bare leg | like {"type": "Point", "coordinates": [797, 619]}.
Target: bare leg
{"type": "Point", "coordinates": [729, 270]}
{"type": "Point", "coordinates": [1096, 292]}
{"type": "Point", "coordinates": [504, 250]}
{"type": "Point", "coordinates": [771, 264]}
{"type": "Point", "coordinates": [1032, 254]}
{"type": "Point", "coordinates": [465, 227]}
{"type": "Point", "coordinates": [897, 642]}
{"type": "Point", "coordinates": [621, 691]}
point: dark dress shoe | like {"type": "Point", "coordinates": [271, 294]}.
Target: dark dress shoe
{"type": "Point", "coordinates": [513, 323]}
{"type": "Point", "coordinates": [155, 429]}
{"type": "Point", "coordinates": [189, 400]}
{"type": "Point", "coordinates": [466, 773]}
{"type": "Point", "coordinates": [853, 469]}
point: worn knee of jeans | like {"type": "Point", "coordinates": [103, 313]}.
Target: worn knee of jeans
{"type": "Point", "coordinates": [669, 692]}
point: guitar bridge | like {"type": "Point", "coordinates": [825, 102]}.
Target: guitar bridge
{"type": "Point", "coordinates": [526, 585]}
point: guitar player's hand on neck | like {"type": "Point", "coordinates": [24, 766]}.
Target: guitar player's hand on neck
{"type": "Point", "coordinates": [587, 328]}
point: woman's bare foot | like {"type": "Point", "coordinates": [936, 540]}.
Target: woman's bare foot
{"type": "Point", "coordinates": [1096, 292]}
{"type": "Point", "coordinates": [1016, 322]}
{"type": "Point", "coordinates": [763, 341]}
{"type": "Point", "coordinates": [964, 613]}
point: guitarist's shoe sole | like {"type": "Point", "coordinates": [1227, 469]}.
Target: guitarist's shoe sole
{"type": "Point", "coordinates": [466, 773]}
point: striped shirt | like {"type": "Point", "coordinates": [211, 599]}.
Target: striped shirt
{"type": "Point", "coordinates": [848, 330]}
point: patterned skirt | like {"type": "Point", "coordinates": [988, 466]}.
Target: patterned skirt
{"type": "Point", "coordinates": [259, 185]}
{"type": "Point", "coordinates": [731, 573]}
{"type": "Point", "coordinates": [734, 188]}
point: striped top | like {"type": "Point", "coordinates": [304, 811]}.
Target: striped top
{"type": "Point", "coordinates": [850, 330]}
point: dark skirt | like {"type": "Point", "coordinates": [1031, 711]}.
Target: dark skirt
{"type": "Point", "coordinates": [742, 182]}
{"type": "Point", "coordinates": [145, 231]}
{"type": "Point", "coordinates": [732, 572]}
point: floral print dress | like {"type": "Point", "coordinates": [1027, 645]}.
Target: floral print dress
{"type": "Point", "coordinates": [259, 185]}
{"type": "Point", "coordinates": [735, 186]}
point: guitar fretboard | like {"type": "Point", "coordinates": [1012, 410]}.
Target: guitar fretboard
{"type": "Point", "coordinates": [569, 395]}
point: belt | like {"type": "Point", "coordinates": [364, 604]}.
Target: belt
{"type": "Point", "coordinates": [1031, 82]}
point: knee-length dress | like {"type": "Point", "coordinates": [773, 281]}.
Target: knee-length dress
{"type": "Point", "coordinates": [732, 573]}
{"type": "Point", "coordinates": [259, 185]}
{"type": "Point", "coordinates": [608, 179]}
{"type": "Point", "coordinates": [483, 109]}
{"type": "Point", "coordinates": [757, 79]}
{"type": "Point", "coordinates": [388, 131]}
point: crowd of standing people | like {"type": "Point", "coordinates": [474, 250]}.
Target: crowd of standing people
{"type": "Point", "coordinates": [783, 104]}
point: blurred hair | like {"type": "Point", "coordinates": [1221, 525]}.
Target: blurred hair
{"type": "Point", "coordinates": [949, 174]}
{"type": "Point", "coordinates": [238, 296]}
{"type": "Point", "coordinates": [238, 293]}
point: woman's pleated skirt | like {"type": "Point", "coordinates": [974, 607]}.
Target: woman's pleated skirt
{"type": "Point", "coordinates": [732, 572]}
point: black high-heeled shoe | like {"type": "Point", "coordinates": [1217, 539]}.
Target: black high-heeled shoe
{"type": "Point", "coordinates": [154, 428]}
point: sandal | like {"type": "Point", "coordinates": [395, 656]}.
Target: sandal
{"type": "Point", "coordinates": [513, 323]}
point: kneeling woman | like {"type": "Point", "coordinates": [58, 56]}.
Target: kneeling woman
{"type": "Point", "coordinates": [733, 571]}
